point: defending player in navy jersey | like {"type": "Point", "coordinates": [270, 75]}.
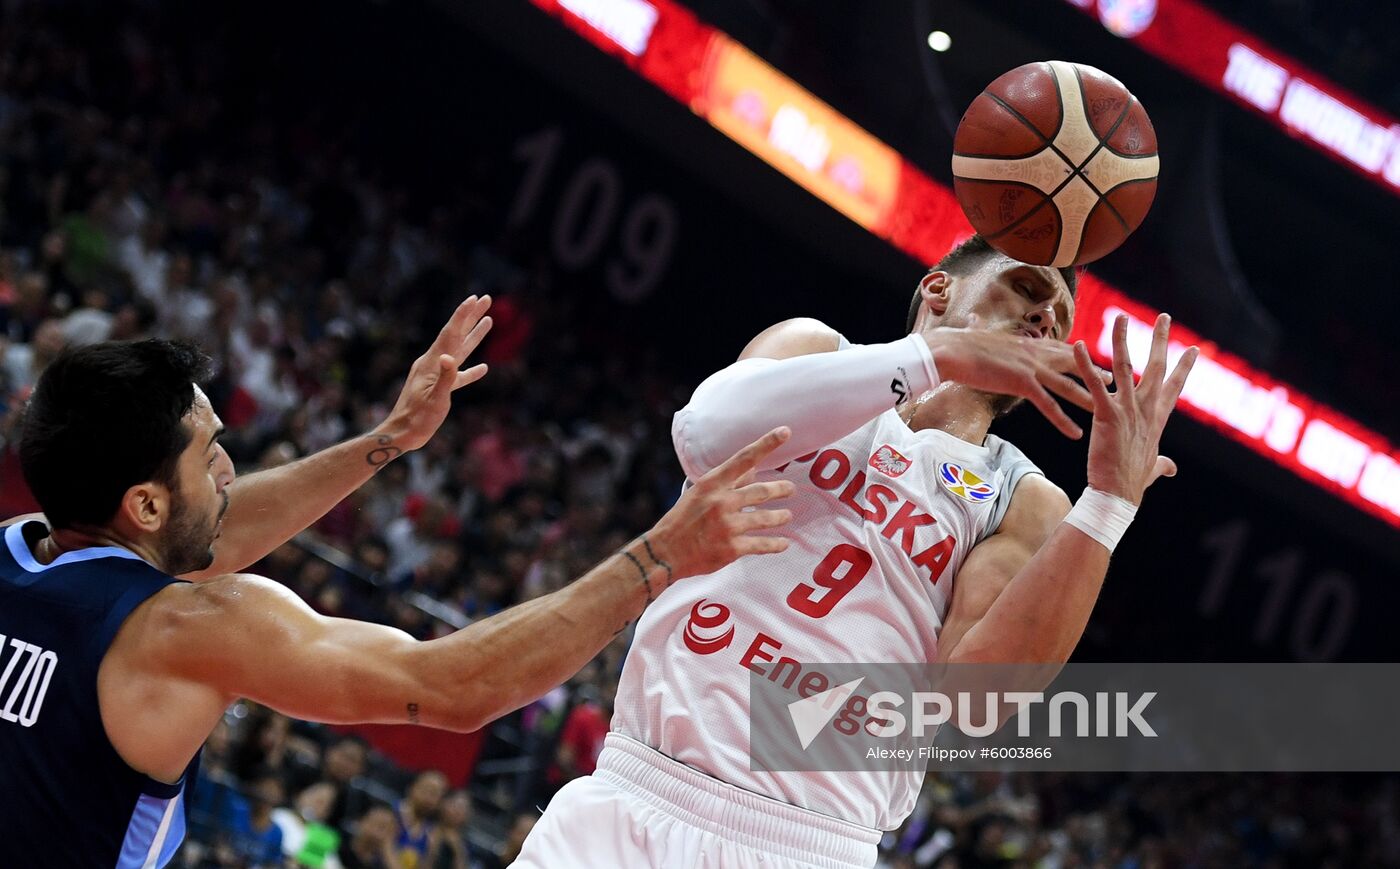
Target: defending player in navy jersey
{"type": "Point", "coordinates": [917, 536]}
{"type": "Point", "coordinates": [113, 672]}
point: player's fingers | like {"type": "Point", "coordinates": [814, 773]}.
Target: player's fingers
{"type": "Point", "coordinates": [1097, 388]}
{"type": "Point", "coordinates": [450, 337]}
{"type": "Point", "coordinates": [1171, 390]}
{"type": "Point", "coordinates": [1157, 357]}
{"type": "Point", "coordinates": [753, 520]}
{"type": "Point", "coordinates": [1068, 389]}
{"type": "Point", "coordinates": [1052, 411]}
{"type": "Point", "coordinates": [759, 545]}
{"type": "Point", "coordinates": [1066, 361]}
{"type": "Point", "coordinates": [1164, 467]}
{"type": "Point", "coordinates": [470, 375]}
{"type": "Point", "coordinates": [747, 459]}
{"type": "Point", "coordinates": [1122, 363]}
{"type": "Point", "coordinates": [446, 378]}
{"type": "Point", "coordinates": [758, 493]}
{"type": "Point", "coordinates": [474, 338]}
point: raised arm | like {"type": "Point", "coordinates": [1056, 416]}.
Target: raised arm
{"type": "Point", "coordinates": [268, 508]}
{"type": "Point", "coordinates": [785, 377]}
{"type": "Point", "coordinates": [788, 376]}
{"type": "Point", "coordinates": [1025, 594]}
{"type": "Point", "coordinates": [181, 658]}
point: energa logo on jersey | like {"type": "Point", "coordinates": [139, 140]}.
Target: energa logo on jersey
{"type": "Point", "coordinates": [703, 632]}
{"type": "Point", "coordinates": [889, 461]}
{"type": "Point", "coordinates": [965, 484]}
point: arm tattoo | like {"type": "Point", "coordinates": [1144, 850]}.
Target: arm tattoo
{"type": "Point", "coordinates": [642, 570]}
{"type": "Point", "coordinates": [383, 454]}
{"type": "Point", "coordinates": [413, 713]}
{"type": "Point", "coordinates": [652, 554]}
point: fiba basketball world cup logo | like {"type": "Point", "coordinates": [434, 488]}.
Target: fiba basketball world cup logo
{"type": "Point", "coordinates": [1127, 18]}
{"type": "Point", "coordinates": [704, 632]}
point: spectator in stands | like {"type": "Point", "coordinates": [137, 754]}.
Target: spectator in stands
{"type": "Point", "coordinates": [581, 738]}
{"type": "Point", "coordinates": [373, 844]}
{"type": "Point", "coordinates": [412, 538]}
{"type": "Point", "coordinates": [306, 837]}
{"type": "Point", "coordinates": [259, 840]}
{"type": "Point", "coordinates": [417, 816]}
{"type": "Point", "coordinates": [24, 362]}
{"type": "Point", "coordinates": [448, 846]}
{"type": "Point", "coordinates": [344, 763]}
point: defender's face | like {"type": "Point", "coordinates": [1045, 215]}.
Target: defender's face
{"type": "Point", "coordinates": [199, 500]}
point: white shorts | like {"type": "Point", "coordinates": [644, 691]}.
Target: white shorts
{"type": "Point", "coordinates": [643, 810]}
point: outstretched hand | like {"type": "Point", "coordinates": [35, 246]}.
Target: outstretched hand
{"type": "Point", "coordinates": [427, 393]}
{"type": "Point", "coordinates": [1128, 422]}
{"type": "Point", "coordinates": [1036, 369]}
{"type": "Point", "coordinates": [709, 526]}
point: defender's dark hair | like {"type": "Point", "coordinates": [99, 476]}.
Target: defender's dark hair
{"type": "Point", "coordinates": [103, 418]}
{"type": "Point", "coordinates": [965, 258]}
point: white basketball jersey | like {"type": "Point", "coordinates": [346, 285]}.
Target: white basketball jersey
{"type": "Point", "coordinates": [882, 521]}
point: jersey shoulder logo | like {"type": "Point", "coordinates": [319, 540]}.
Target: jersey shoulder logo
{"type": "Point", "coordinates": [965, 484]}
{"type": "Point", "coordinates": [889, 461]}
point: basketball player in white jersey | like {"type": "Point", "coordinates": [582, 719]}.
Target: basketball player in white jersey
{"type": "Point", "coordinates": [916, 537]}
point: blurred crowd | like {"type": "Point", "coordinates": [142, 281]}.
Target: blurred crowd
{"type": "Point", "coordinates": [135, 202]}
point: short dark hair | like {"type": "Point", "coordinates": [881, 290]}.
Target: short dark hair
{"type": "Point", "coordinates": [103, 418]}
{"type": "Point", "coordinates": [965, 258]}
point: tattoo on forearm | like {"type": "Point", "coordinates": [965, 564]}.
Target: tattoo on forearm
{"type": "Point", "coordinates": [383, 454]}
{"type": "Point", "coordinates": [652, 554]}
{"type": "Point", "coordinates": [413, 713]}
{"type": "Point", "coordinates": [642, 570]}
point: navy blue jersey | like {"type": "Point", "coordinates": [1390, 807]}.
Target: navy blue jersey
{"type": "Point", "coordinates": [66, 796]}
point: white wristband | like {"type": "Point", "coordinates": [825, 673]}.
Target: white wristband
{"type": "Point", "coordinates": [1102, 516]}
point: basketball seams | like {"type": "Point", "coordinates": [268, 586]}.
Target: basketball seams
{"type": "Point", "coordinates": [1131, 102]}
{"type": "Point", "coordinates": [1102, 145]}
{"type": "Point", "coordinates": [1113, 128]}
{"type": "Point", "coordinates": [1119, 186]}
{"type": "Point", "coordinates": [997, 182]}
{"type": "Point", "coordinates": [1102, 140]}
{"type": "Point", "coordinates": [1023, 119]}
{"type": "Point", "coordinates": [1018, 221]}
{"type": "Point", "coordinates": [1103, 200]}
{"type": "Point", "coordinates": [1080, 223]}
{"type": "Point", "coordinates": [1059, 102]}
{"type": "Point", "coordinates": [974, 156]}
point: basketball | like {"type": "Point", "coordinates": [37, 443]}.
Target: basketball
{"type": "Point", "coordinates": [1055, 163]}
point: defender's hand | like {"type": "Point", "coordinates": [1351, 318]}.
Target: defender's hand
{"type": "Point", "coordinates": [1009, 364]}
{"type": "Point", "coordinates": [709, 526]}
{"type": "Point", "coordinates": [427, 393]}
{"type": "Point", "coordinates": [1128, 422]}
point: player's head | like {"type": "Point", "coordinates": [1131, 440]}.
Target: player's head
{"type": "Point", "coordinates": [119, 438]}
{"type": "Point", "coordinates": [977, 286]}
{"type": "Point", "coordinates": [976, 282]}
